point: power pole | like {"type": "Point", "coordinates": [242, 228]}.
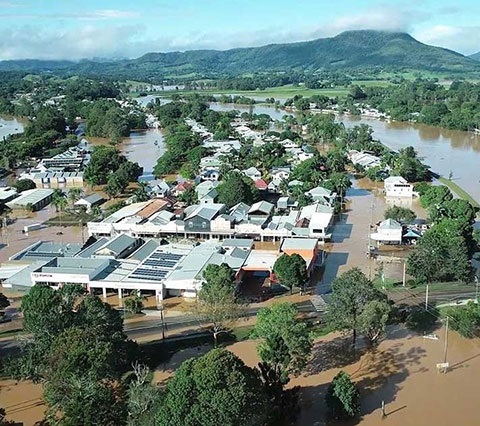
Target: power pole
{"type": "Point", "coordinates": [426, 299]}
{"type": "Point", "coordinates": [403, 276]}
{"type": "Point", "coordinates": [446, 341]}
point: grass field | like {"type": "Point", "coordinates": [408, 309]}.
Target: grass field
{"type": "Point", "coordinates": [459, 191]}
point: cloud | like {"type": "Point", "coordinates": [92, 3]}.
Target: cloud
{"type": "Point", "coordinates": [89, 40]}
{"type": "Point", "coordinates": [461, 39]}
{"type": "Point", "coordinates": [94, 15]}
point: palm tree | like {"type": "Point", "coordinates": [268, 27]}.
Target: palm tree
{"type": "Point", "coordinates": [74, 195]}
{"type": "Point", "coordinates": [57, 195]}
{"type": "Point", "coordinates": [61, 205]}
{"type": "Point", "coordinates": [96, 212]}
{"type": "Point", "coordinates": [141, 193]}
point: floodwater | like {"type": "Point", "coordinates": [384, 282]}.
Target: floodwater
{"type": "Point", "coordinates": [144, 147]}
{"type": "Point", "coordinates": [401, 371]}
{"type": "Point", "coordinates": [366, 205]}
{"type": "Point", "coordinates": [443, 150]}
{"type": "Point", "coordinates": [9, 126]}
{"type": "Point", "coordinates": [12, 239]}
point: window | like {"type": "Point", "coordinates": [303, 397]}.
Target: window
{"type": "Point", "coordinates": [190, 224]}
{"type": "Point", "coordinates": [204, 225]}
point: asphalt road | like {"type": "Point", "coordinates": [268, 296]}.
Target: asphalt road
{"type": "Point", "coordinates": [147, 328]}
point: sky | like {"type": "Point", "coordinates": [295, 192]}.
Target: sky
{"type": "Point", "coordinates": [67, 29]}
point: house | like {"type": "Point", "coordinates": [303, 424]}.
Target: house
{"type": "Point", "coordinates": [7, 194]}
{"type": "Point", "coordinates": [397, 186]}
{"type": "Point", "coordinates": [159, 188]}
{"type": "Point", "coordinates": [319, 219]}
{"type": "Point", "coordinates": [32, 199]}
{"type": "Point", "coordinates": [239, 212]}
{"type": "Point", "coordinates": [209, 197]}
{"type": "Point", "coordinates": [280, 172]}
{"type": "Point", "coordinates": [198, 217]}
{"type": "Point", "coordinates": [253, 173]}
{"type": "Point", "coordinates": [51, 179]}
{"type": "Point", "coordinates": [205, 187]}
{"type": "Point", "coordinates": [388, 232]}
{"type": "Point", "coordinates": [261, 208]}
{"type": "Point", "coordinates": [294, 183]}
{"type": "Point", "coordinates": [261, 185]}
{"type": "Point", "coordinates": [89, 201]}
{"type": "Point", "coordinates": [322, 195]}
{"type": "Point", "coordinates": [181, 188]}
{"type": "Point", "coordinates": [211, 162]}
{"type": "Point", "coordinates": [210, 174]}
{"type": "Point", "coordinates": [364, 159]}
{"type": "Point", "coordinates": [285, 203]}
{"type": "Point", "coordinates": [288, 144]}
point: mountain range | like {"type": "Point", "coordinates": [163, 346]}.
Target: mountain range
{"type": "Point", "coordinates": [348, 50]}
{"type": "Point", "coordinates": [475, 56]}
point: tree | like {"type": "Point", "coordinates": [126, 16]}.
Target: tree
{"type": "Point", "coordinates": [373, 319]}
{"type": "Point", "coordinates": [284, 350]}
{"type": "Point", "coordinates": [400, 214]}
{"type": "Point", "coordinates": [141, 193]}
{"type": "Point", "coordinates": [442, 254]}
{"type": "Point", "coordinates": [188, 196]}
{"type": "Point", "coordinates": [74, 195]}
{"type": "Point", "coordinates": [216, 302]}
{"type": "Point", "coordinates": [217, 388]}
{"type": "Point", "coordinates": [343, 397]}
{"type": "Point", "coordinates": [24, 185]}
{"type": "Point", "coordinates": [116, 184]}
{"type": "Point", "coordinates": [286, 344]}
{"type": "Point", "coordinates": [351, 292]}
{"type": "Point", "coordinates": [143, 398]}
{"type": "Point", "coordinates": [291, 271]}
{"type": "Point", "coordinates": [4, 302]}
{"type": "Point", "coordinates": [134, 304]}
{"type": "Point", "coordinates": [237, 188]}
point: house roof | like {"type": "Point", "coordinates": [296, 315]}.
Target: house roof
{"type": "Point", "coordinates": [31, 196]}
{"type": "Point", "coordinates": [238, 242]}
{"type": "Point", "coordinates": [395, 179]}
{"type": "Point", "coordinates": [204, 211]}
{"type": "Point", "coordinates": [319, 191]}
{"type": "Point", "coordinates": [91, 199]}
{"type": "Point", "coordinates": [261, 206]}
{"type": "Point", "coordinates": [299, 244]}
{"type": "Point", "coordinates": [251, 171]}
{"type": "Point", "coordinates": [261, 184]}
{"type": "Point", "coordinates": [153, 207]}
{"type": "Point", "coordinates": [390, 224]}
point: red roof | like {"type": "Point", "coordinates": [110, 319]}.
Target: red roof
{"type": "Point", "coordinates": [261, 184]}
{"type": "Point", "coordinates": [183, 186]}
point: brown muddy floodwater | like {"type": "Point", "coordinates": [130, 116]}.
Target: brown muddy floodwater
{"type": "Point", "coordinates": [144, 147]}
{"type": "Point", "coordinates": [9, 126]}
{"type": "Point", "coordinates": [366, 205]}
{"type": "Point", "coordinates": [401, 371]}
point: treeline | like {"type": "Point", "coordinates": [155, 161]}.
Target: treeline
{"type": "Point", "coordinates": [454, 107]}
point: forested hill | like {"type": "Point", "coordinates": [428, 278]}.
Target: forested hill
{"type": "Point", "coordinates": [351, 49]}
{"type": "Point", "coordinates": [475, 56]}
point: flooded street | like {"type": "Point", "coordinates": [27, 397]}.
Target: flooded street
{"type": "Point", "coordinates": [350, 239]}
{"type": "Point", "coordinates": [401, 371]}
{"type": "Point", "coordinates": [144, 147]}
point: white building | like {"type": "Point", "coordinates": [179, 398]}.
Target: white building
{"type": "Point", "coordinates": [388, 232]}
{"type": "Point", "coordinates": [397, 186]}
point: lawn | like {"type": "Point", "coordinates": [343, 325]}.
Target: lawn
{"type": "Point", "coordinates": [459, 191]}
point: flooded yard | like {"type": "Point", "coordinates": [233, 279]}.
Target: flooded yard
{"type": "Point", "coordinates": [366, 205]}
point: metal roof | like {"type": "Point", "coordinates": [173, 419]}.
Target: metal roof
{"type": "Point", "coordinates": [119, 244]}
{"type": "Point", "coordinates": [31, 196]}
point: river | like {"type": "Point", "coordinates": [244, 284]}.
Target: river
{"type": "Point", "coordinates": [443, 150]}
{"type": "Point", "coordinates": [9, 126]}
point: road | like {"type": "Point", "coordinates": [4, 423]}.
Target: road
{"type": "Point", "coordinates": [148, 328]}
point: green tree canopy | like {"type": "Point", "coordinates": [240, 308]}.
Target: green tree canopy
{"type": "Point", "coordinates": [216, 302]}
{"type": "Point", "coordinates": [351, 292]}
{"type": "Point", "coordinates": [217, 388]}
{"type": "Point", "coordinates": [343, 397]}
{"type": "Point", "coordinates": [24, 184]}
{"type": "Point", "coordinates": [400, 214]}
{"type": "Point", "coordinates": [236, 188]}
{"type": "Point", "coordinates": [291, 271]}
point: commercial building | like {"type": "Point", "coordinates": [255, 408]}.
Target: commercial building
{"type": "Point", "coordinates": [32, 199]}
